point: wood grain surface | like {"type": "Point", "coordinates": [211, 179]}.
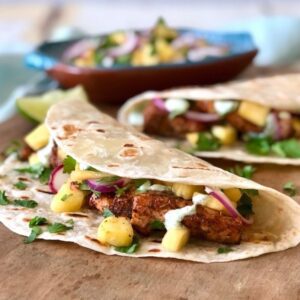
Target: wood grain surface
{"type": "Point", "coordinates": [55, 270]}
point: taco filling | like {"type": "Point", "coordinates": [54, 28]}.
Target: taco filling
{"type": "Point", "coordinates": [141, 207]}
{"type": "Point", "coordinates": [209, 125]}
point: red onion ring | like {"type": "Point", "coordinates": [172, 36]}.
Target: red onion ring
{"type": "Point", "coordinates": [159, 103]}
{"type": "Point", "coordinates": [57, 178]}
{"type": "Point", "coordinates": [125, 48]}
{"type": "Point", "coordinates": [223, 199]}
{"type": "Point", "coordinates": [106, 187]}
{"type": "Point", "coordinates": [202, 117]}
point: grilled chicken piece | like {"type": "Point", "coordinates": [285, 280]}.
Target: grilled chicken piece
{"type": "Point", "coordinates": [144, 208]}
{"type": "Point", "coordinates": [213, 225]}
{"type": "Point", "coordinates": [24, 152]}
{"type": "Point", "coordinates": [241, 124]}
{"type": "Point", "coordinates": [204, 106]}
{"type": "Point", "coordinates": [158, 122]}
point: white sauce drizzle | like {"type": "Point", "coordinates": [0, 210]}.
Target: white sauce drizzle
{"type": "Point", "coordinates": [175, 104]}
{"type": "Point", "coordinates": [174, 217]}
{"type": "Point", "coordinates": [224, 107]}
{"type": "Point", "coordinates": [44, 153]}
{"type": "Point", "coordinates": [136, 118]}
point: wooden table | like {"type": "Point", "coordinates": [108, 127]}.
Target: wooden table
{"type": "Point", "coordinates": [55, 270]}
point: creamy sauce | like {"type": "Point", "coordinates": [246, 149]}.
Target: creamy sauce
{"type": "Point", "coordinates": [174, 217]}
{"type": "Point", "coordinates": [44, 153]}
{"type": "Point", "coordinates": [159, 187]}
{"type": "Point", "coordinates": [136, 118]}
{"type": "Point", "coordinates": [83, 166]}
{"type": "Point", "coordinates": [224, 107]}
{"type": "Point", "coordinates": [174, 104]}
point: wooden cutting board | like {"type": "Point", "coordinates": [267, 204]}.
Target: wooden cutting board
{"type": "Point", "coordinates": [56, 270]}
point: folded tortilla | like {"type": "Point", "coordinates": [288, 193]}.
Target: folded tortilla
{"type": "Point", "coordinates": [95, 139]}
{"type": "Point", "coordinates": [277, 92]}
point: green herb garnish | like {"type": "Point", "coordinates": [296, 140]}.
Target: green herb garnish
{"type": "Point", "coordinates": [37, 171]}
{"type": "Point", "coordinates": [289, 187]}
{"type": "Point", "coordinates": [36, 221]}
{"type": "Point", "coordinates": [3, 198]}
{"type": "Point", "coordinates": [35, 232]}
{"type": "Point", "coordinates": [287, 148]}
{"type": "Point", "coordinates": [130, 249]}
{"type": "Point", "coordinates": [246, 171]}
{"type": "Point", "coordinates": [26, 203]}
{"type": "Point", "coordinates": [157, 225]}
{"type": "Point", "coordinates": [121, 190]}
{"type": "Point", "coordinates": [20, 185]}
{"type": "Point", "coordinates": [258, 145]}
{"type": "Point", "coordinates": [206, 142]}
{"type": "Point", "coordinates": [224, 250]}
{"type": "Point", "coordinates": [107, 213]}
{"type": "Point", "coordinates": [65, 197]}
{"type": "Point", "coordinates": [244, 206]}
{"type": "Point", "coordinates": [69, 164]}
{"type": "Point", "coordinates": [58, 227]}
{"type": "Point", "coordinates": [108, 179]}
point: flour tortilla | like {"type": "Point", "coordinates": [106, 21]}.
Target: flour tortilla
{"type": "Point", "coordinates": [278, 92]}
{"type": "Point", "coordinates": [96, 139]}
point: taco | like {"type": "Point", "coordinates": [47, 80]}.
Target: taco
{"type": "Point", "coordinates": [255, 121]}
{"type": "Point", "coordinates": [118, 191]}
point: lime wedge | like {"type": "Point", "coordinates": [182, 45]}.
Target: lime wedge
{"type": "Point", "coordinates": [35, 108]}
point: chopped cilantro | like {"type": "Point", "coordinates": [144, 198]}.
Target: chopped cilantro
{"type": "Point", "coordinates": [244, 206]}
{"type": "Point", "coordinates": [139, 182]}
{"type": "Point", "coordinates": [108, 179]}
{"type": "Point", "coordinates": [107, 213]}
{"type": "Point", "coordinates": [37, 171]}
{"type": "Point", "coordinates": [69, 164]}
{"type": "Point", "coordinates": [70, 222]}
{"type": "Point", "coordinates": [206, 142]}
{"type": "Point", "coordinates": [20, 185]}
{"type": "Point", "coordinates": [26, 203]}
{"type": "Point", "coordinates": [121, 190]}
{"type": "Point", "coordinates": [84, 187]}
{"type": "Point", "coordinates": [246, 171]}
{"type": "Point", "coordinates": [224, 250]}
{"type": "Point", "coordinates": [35, 232]}
{"type": "Point", "coordinates": [258, 145]}
{"type": "Point", "coordinates": [3, 198]}
{"type": "Point", "coordinates": [58, 227]}
{"type": "Point", "coordinates": [287, 148]}
{"type": "Point", "coordinates": [36, 221]}
{"type": "Point", "coordinates": [157, 225]}
{"type": "Point", "coordinates": [290, 188]}
{"type": "Point", "coordinates": [130, 249]}
{"type": "Point", "coordinates": [65, 197]}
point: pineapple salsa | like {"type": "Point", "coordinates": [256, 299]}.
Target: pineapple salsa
{"type": "Point", "coordinates": [209, 125]}
{"type": "Point", "coordinates": [134, 208]}
{"type": "Point", "coordinates": [160, 45]}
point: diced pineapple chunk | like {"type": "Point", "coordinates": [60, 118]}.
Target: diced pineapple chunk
{"type": "Point", "coordinates": [192, 138]}
{"type": "Point", "coordinates": [68, 199]}
{"type": "Point", "coordinates": [213, 203]}
{"type": "Point", "coordinates": [144, 56]}
{"type": "Point", "coordinates": [38, 137]}
{"type": "Point", "coordinates": [253, 112]}
{"type": "Point", "coordinates": [233, 194]}
{"type": "Point", "coordinates": [33, 159]}
{"type": "Point", "coordinates": [225, 134]}
{"type": "Point", "coordinates": [165, 52]}
{"type": "Point", "coordinates": [115, 231]}
{"type": "Point", "coordinates": [79, 175]}
{"type": "Point", "coordinates": [185, 191]}
{"type": "Point", "coordinates": [176, 238]}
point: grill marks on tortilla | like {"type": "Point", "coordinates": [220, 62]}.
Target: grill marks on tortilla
{"type": "Point", "coordinates": [129, 151]}
{"type": "Point", "coordinates": [69, 131]}
{"type": "Point", "coordinates": [93, 240]}
{"type": "Point", "coordinates": [77, 215]}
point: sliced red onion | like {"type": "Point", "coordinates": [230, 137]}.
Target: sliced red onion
{"type": "Point", "coordinates": [184, 40]}
{"type": "Point", "coordinates": [106, 187]}
{"type": "Point", "coordinates": [159, 103]}
{"type": "Point", "coordinates": [57, 178]}
{"type": "Point", "coordinates": [78, 48]}
{"type": "Point", "coordinates": [125, 48]}
{"type": "Point", "coordinates": [202, 117]}
{"type": "Point", "coordinates": [223, 199]}
{"type": "Point", "coordinates": [198, 54]}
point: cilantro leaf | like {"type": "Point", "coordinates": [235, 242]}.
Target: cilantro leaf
{"type": "Point", "coordinates": [3, 198]}
{"type": "Point", "coordinates": [36, 221]}
{"type": "Point", "coordinates": [45, 175]}
{"type": "Point", "coordinates": [258, 145]}
{"type": "Point", "coordinates": [206, 142]}
{"type": "Point", "coordinates": [108, 179]}
{"type": "Point", "coordinates": [20, 185]}
{"type": "Point", "coordinates": [290, 188]}
{"type": "Point", "coordinates": [244, 206]}
{"type": "Point", "coordinates": [157, 225]}
{"type": "Point", "coordinates": [121, 190]}
{"type": "Point", "coordinates": [287, 148]}
{"type": "Point", "coordinates": [37, 171]}
{"type": "Point", "coordinates": [65, 197]}
{"type": "Point", "coordinates": [26, 203]}
{"type": "Point", "coordinates": [246, 171]}
{"type": "Point", "coordinates": [130, 249]}
{"type": "Point", "coordinates": [107, 213]}
{"type": "Point", "coordinates": [69, 164]}
{"type": "Point", "coordinates": [224, 250]}
{"type": "Point", "coordinates": [35, 232]}
{"type": "Point", "coordinates": [58, 227]}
